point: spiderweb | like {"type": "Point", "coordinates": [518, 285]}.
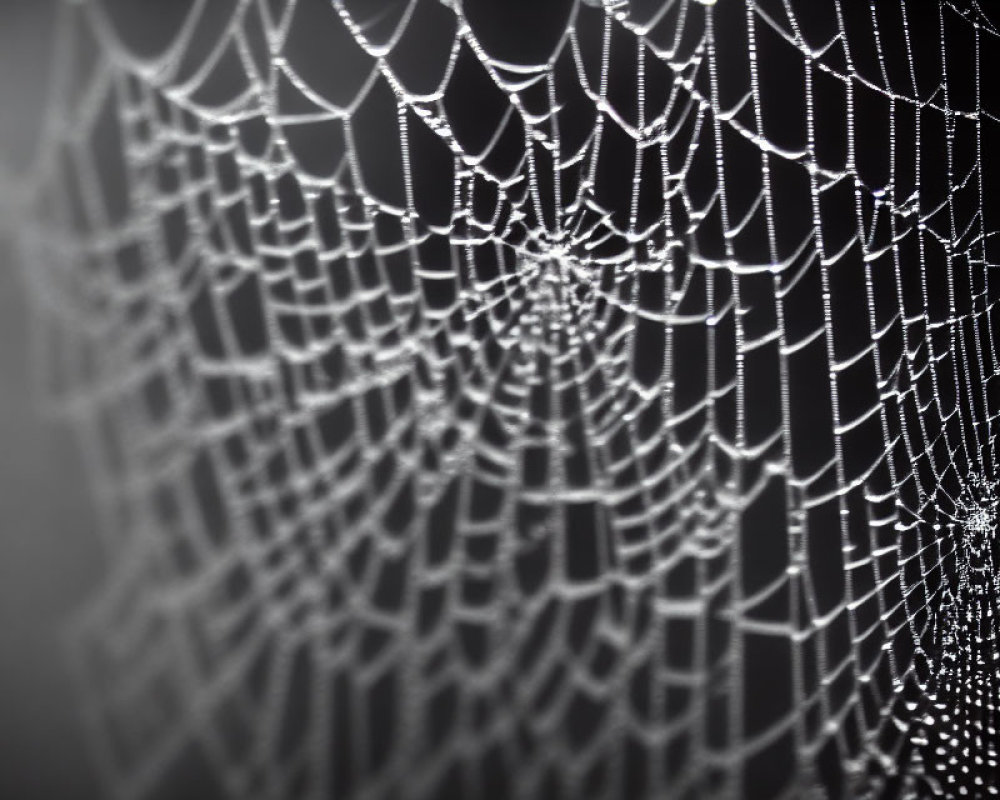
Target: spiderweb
{"type": "Point", "coordinates": [547, 400]}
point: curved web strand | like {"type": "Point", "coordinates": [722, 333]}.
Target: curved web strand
{"type": "Point", "coordinates": [593, 400]}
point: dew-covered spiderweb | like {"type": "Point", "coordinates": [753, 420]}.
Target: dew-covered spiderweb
{"type": "Point", "coordinates": [546, 400]}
